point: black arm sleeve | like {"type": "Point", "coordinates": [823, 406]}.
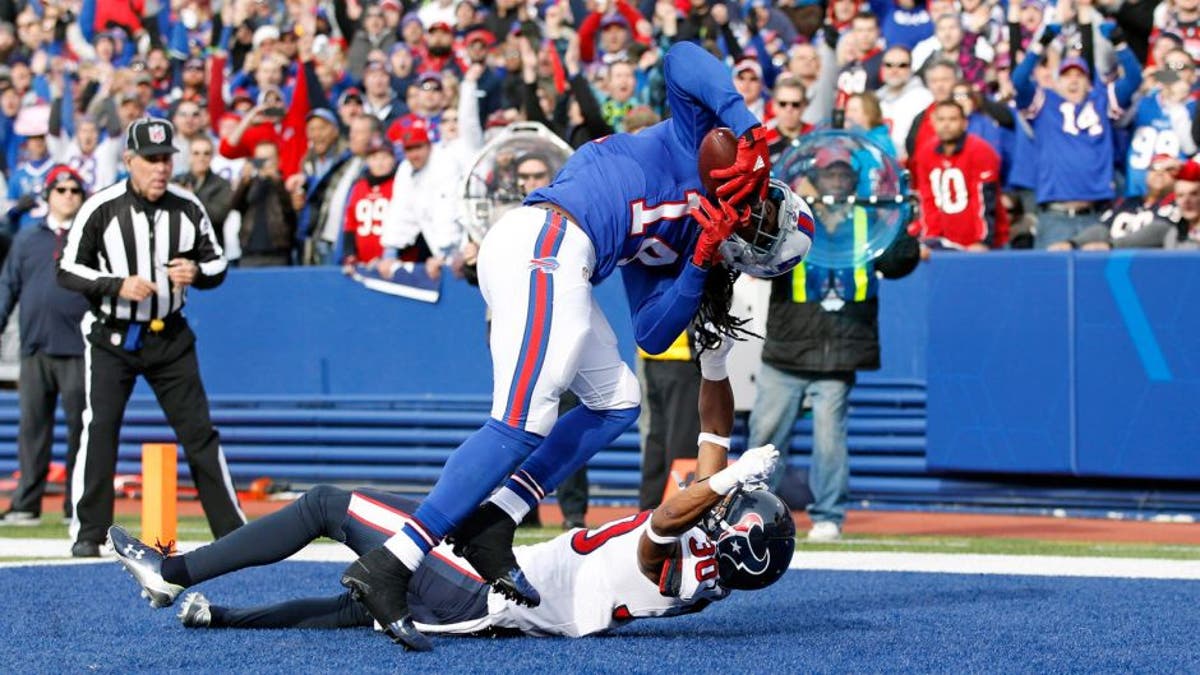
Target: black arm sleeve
{"type": "Point", "coordinates": [910, 141]}
{"type": "Point", "coordinates": [1088, 39]}
{"type": "Point", "coordinates": [589, 107]}
{"type": "Point", "coordinates": [900, 258]}
{"type": "Point", "coordinates": [999, 112]}
{"type": "Point", "coordinates": [317, 98]}
{"type": "Point", "coordinates": [345, 24]}
{"type": "Point", "coordinates": [1137, 20]}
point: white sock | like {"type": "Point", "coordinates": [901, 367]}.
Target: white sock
{"type": "Point", "coordinates": [511, 503]}
{"type": "Point", "coordinates": [406, 550]}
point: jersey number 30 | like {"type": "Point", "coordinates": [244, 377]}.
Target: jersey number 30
{"type": "Point", "coordinates": [587, 541]}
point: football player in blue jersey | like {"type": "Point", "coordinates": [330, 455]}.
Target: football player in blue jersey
{"type": "Point", "coordinates": [630, 200]}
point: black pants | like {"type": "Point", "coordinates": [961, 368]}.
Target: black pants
{"type": "Point", "coordinates": [441, 591]}
{"type": "Point", "coordinates": [168, 362]}
{"type": "Point", "coordinates": [44, 379]}
{"type": "Point", "coordinates": [572, 493]}
{"type": "Point", "coordinates": [669, 424]}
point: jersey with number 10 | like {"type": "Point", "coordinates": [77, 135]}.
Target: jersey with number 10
{"type": "Point", "coordinates": [590, 580]}
{"type": "Point", "coordinates": [1074, 146]}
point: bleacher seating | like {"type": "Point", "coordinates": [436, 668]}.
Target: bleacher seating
{"type": "Point", "coordinates": [401, 442]}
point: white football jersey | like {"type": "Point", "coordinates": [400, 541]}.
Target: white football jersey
{"type": "Point", "coordinates": [590, 581]}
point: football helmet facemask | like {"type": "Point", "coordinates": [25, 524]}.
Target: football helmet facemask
{"type": "Point", "coordinates": [777, 237]}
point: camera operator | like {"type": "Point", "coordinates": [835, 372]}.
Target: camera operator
{"type": "Point", "coordinates": [268, 217]}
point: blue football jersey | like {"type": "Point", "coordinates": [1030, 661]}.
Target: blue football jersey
{"type": "Point", "coordinates": [1153, 134]}
{"type": "Point", "coordinates": [29, 178]}
{"type": "Point", "coordinates": [1074, 147]}
{"type": "Point", "coordinates": [631, 192]}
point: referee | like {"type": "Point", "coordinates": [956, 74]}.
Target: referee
{"type": "Point", "coordinates": [134, 249]}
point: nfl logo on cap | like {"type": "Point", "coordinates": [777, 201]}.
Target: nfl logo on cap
{"type": "Point", "coordinates": [151, 136]}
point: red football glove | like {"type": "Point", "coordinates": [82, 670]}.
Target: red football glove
{"type": "Point", "coordinates": [717, 223]}
{"type": "Point", "coordinates": [749, 173]}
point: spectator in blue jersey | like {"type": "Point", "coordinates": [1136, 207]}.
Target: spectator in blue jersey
{"type": "Point", "coordinates": [26, 180]}
{"type": "Point", "coordinates": [906, 24]}
{"type": "Point", "coordinates": [626, 198]}
{"type": "Point", "coordinates": [1163, 121]}
{"type": "Point", "coordinates": [1072, 122]}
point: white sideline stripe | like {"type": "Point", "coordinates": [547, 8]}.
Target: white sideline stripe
{"type": "Point", "coordinates": [1019, 565]}
{"type": "Point", "coordinates": [57, 552]}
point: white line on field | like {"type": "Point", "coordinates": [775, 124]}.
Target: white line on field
{"type": "Point", "coordinates": [1023, 565]}
{"type": "Point", "coordinates": [56, 552]}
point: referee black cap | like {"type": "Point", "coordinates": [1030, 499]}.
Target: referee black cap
{"type": "Point", "coordinates": [151, 136]}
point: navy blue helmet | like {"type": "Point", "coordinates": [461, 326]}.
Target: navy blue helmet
{"type": "Point", "coordinates": [755, 539]}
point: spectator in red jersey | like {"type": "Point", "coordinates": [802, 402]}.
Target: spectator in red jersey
{"type": "Point", "coordinates": [957, 176]}
{"type": "Point", "coordinates": [368, 203]}
{"type": "Point", "coordinates": [1134, 222]}
{"type": "Point", "coordinates": [282, 127]}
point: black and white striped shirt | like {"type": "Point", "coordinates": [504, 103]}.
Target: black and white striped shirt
{"type": "Point", "coordinates": [112, 239]}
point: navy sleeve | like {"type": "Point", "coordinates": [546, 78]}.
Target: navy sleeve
{"type": "Point", "coordinates": [662, 305]}
{"type": "Point", "coordinates": [700, 93]}
{"type": "Point", "coordinates": [10, 279]}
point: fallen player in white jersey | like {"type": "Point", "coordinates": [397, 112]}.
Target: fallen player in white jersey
{"type": "Point", "coordinates": [718, 535]}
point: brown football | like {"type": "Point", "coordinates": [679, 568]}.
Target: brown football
{"type": "Point", "coordinates": [718, 150]}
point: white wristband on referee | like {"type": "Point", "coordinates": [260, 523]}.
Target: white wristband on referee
{"type": "Point", "coordinates": [722, 441]}
{"type": "Point", "coordinates": [658, 538]}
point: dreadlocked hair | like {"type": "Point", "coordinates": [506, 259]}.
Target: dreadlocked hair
{"type": "Point", "coordinates": [713, 320]}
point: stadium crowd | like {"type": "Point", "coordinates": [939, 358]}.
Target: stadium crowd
{"type": "Point", "coordinates": [306, 125]}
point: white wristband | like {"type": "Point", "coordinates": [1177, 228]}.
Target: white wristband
{"type": "Point", "coordinates": [722, 441]}
{"type": "Point", "coordinates": [658, 538]}
{"type": "Point", "coordinates": [723, 481]}
{"type": "Point", "coordinates": [713, 370]}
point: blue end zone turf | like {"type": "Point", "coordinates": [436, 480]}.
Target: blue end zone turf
{"type": "Point", "coordinates": [83, 617]}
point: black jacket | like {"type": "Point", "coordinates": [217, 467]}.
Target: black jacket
{"type": "Point", "coordinates": [215, 194]}
{"type": "Point", "coordinates": [805, 337]}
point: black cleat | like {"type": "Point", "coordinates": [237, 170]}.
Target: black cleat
{"type": "Point", "coordinates": [485, 539]}
{"type": "Point", "coordinates": [85, 549]}
{"type": "Point", "coordinates": [379, 581]}
{"type": "Point", "coordinates": [145, 564]}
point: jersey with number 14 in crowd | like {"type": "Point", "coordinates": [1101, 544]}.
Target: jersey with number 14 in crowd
{"type": "Point", "coordinates": [1080, 138]}
{"type": "Point", "coordinates": [590, 581]}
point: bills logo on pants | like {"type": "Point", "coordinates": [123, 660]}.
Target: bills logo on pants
{"type": "Point", "coordinates": [547, 333]}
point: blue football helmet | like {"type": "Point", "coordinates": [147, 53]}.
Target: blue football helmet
{"type": "Point", "coordinates": [755, 538]}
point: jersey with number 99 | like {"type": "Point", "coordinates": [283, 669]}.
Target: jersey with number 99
{"type": "Point", "coordinates": [590, 580]}
{"type": "Point", "coordinates": [366, 208]}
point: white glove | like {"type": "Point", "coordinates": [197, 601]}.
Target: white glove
{"type": "Point", "coordinates": [712, 361]}
{"type": "Point", "coordinates": [754, 467]}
